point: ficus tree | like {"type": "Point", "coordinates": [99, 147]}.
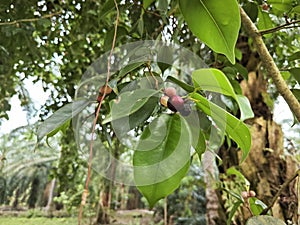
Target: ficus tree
{"type": "Point", "coordinates": [226, 62]}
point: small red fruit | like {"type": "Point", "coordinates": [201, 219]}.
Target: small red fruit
{"type": "Point", "coordinates": [170, 91]}
{"type": "Point", "coordinates": [164, 100]}
{"type": "Point", "coordinates": [245, 194]}
{"type": "Point", "coordinates": [176, 103]}
{"type": "Point", "coordinates": [265, 6]}
{"type": "Point", "coordinates": [252, 193]}
{"type": "Point", "coordinates": [105, 89]}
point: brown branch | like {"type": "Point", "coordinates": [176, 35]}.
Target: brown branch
{"type": "Point", "coordinates": [85, 192]}
{"type": "Point", "coordinates": [283, 26]}
{"type": "Point", "coordinates": [30, 20]}
{"type": "Point", "coordinates": [284, 186]}
{"type": "Point", "coordinates": [269, 64]}
{"type": "Point", "coordinates": [166, 211]}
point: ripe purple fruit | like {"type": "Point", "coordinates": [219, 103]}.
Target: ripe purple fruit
{"type": "Point", "coordinates": [186, 110]}
{"type": "Point", "coordinates": [176, 103]}
{"type": "Point", "coordinates": [170, 91]}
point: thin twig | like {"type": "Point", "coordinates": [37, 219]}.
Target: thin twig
{"type": "Point", "coordinates": [30, 20]}
{"type": "Point", "coordinates": [149, 12]}
{"type": "Point", "coordinates": [247, 205]}
{"type": "Point", "coordinates": [166, 211]}
{"type": "Point", "coordinates": [150, 71]}
{"type": "Point", "coordinates": [283, 26]}
{"type": "Point", "coordinates": [84, 195]}
{"type": "Point", "coordinates": [284, 186]}
{"type": "Point", "coordinates": [269, 64]}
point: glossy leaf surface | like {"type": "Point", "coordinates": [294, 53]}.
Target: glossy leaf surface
{"type": "Point", "coordinates": [162, 157]}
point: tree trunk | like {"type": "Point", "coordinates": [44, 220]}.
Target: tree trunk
{"type": "Point", "coordinates": [16, 200]}
{"type": "Point", "coordinates": [102, 216]}
{"type": "Point", "coordinates": [35, 185]}
{"type": "Point", "coordinates": [266, 167]}
{"type": "Point", "coordinates": [49, 195]}
{"type": "Point", "coordinates": [214, 211]}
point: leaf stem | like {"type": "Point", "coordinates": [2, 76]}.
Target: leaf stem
{"type": "Point", "coordinates": [166, 211]}
{"type": "Point", "coordinates": [30, 19]}
{"type": "Point", "coordinates": [269, 64]}
{"type": "Point", "coordinates": [85, 193]}
{"type": "Point", "coordinates": [280, 27]}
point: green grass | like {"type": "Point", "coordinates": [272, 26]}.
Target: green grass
{"type": "Point", "coordinates": [35, 221]}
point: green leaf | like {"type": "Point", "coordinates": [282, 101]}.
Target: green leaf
{"type": "Point", "coordinates": [256, 206]}
{"type": "Point", "coordinates": [181, 84]}
{"type": "Point", "coordinates": [164, 55]}
{"type": "Point", "coordinates": [296, 92]}
{"type": "Point", "coordinates": [123, 125]}
{"type": "Point", "coordinates": [242, 70]}
{"type": "Point", "coordinates": [294, 56]}
{"type": "Point", "coordinates": [57, 120]}
{"type": "Point", "coordinates": [200, 146]}
{"type": "Point", "coordinates": [235, 195]}
{"type": "Point", "coordinates": [264, 20]}
{"type": "Point", "coordinates": [212, 80]}
{"type": "Point", "coordinates": [44, 22]}
{"type": "Point", "coordinates": [130, 67]}
{"type": "Point", "coordinates": [245, 107]}
{"type": "Point", "coordinates": [107, 7]}
{"type": "Point", "coordinates": [212, 24]}
{"type": "Point", "coordinates": [281, 5]}
{"type": "Point", "coordinates": [147, 3]}
{"type": "Point", "coordinates": [162, 157]}
{"type": "Point", "coordinates": [121, 31]}
{"type": "Point", "coordinates": [234, 171]}
{"type": "Point", "coordinates": [198, 139]}
{"type": "Point", "coordinates": [296, 74]}
{"type": "Point", "coordinates": [296, 9]}
{"type": "Point", "coordinates": [235, 128]}
{"type": "Point", "coordinates": [140, 26]}
{"type": "Point", "coordinates": [63, 127]}
{"type": "Point", "coordinates": [238, 54]}
{"type": "Point", "coordinates": [264, 220]}
{"type": "Point", "coordinates": [128, 103]}
{"type": "Point", "coordinates": [252, 10]}
{"type": "Point", "coordinates": [162, 5]}
{"type": "Point", "coordinates": [285, 74]}
{"type": "Point", "coordinates": [233, 211]}
{"type": "Point", "coordinates": [216, 81]}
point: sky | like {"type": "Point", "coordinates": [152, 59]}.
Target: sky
{"type": "Point", "coordinates": [17, 115]}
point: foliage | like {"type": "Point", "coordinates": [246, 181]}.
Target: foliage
{"type": "Point", "coordinates": [25, 168]}
{"type": "Point", "coordinates": [186, 205]}
{"type": "Point", "coordinates": [219, 29]}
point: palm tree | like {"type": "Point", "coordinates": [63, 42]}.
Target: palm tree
{"type": "Point", "coordinates": [24, 168]}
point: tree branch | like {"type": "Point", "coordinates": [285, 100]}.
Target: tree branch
{"type": "Point", "coordinates": [30, 20]}
{"type": "Point", "coordinates": [283, 26]}
{"type": "Point", "coordinates": [85, 192]}
{"type": "Point", "coordinates": [269, 64]}
{"type": "Point", "coordinates": [284, 186]}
